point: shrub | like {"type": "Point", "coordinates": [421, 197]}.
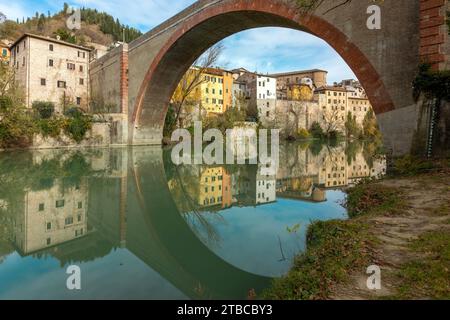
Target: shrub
{"type": "Point", "coordinates": [50, 127]}
{"type": "Point", "coordinates": [76, 127]}
{"type": "Point", "coordinates": [317, 131]}
{"type": "Point", "coordinates": [45, 109]}
{"type": "Point", "coordinates": [303, 134]}
{"type": "Point", "coordinates": [6, 103]}
{"type": "Point", "coordinates": [16, 128]}
{"type": "Point", "coordinates": [73, 112]}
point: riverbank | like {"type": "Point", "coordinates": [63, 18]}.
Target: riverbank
{"type": "Point", "coordinates": [401, 224]}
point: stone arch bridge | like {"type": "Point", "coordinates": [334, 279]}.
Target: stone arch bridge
{"type": "Point", "coordinates": [141, 76]}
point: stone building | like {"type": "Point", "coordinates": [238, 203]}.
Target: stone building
{"type": "Point", "coordinates": [317, 76]}
{"type": "Point", "coordinates": [52, 70]}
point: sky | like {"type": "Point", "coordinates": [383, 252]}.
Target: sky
{"type": "Point", "coordinates": [265, 50]}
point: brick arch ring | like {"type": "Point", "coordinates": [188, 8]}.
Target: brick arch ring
{"type": "Point", "coordinates": [200, 31]}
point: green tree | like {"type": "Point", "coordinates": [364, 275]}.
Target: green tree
{"type": "Point", "coordinates": [351, 127]}
{"type": "Point", "coordinates": [370, 127]}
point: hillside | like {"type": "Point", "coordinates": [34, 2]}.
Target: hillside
{"type": "Point", "coordinates": [97, 27]}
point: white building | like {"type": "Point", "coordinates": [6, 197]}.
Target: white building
{"type": "Point", "coordinates": [262, 92]}
{"type": "Point", "coordinates": [266, 188]}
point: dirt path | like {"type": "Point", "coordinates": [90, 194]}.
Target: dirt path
{"type": "Point", "coordinates": [427, 208]}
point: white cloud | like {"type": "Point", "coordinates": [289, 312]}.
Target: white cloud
{"type": "Point", "coordinates": [270, 50]}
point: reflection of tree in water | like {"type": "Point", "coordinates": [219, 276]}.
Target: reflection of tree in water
{"type": "Point", "coordinates": [85, 249]}
{"type": "Point", "coordinates": [184, 184]}
{"type": "Point", "coordinates": [19, 172]}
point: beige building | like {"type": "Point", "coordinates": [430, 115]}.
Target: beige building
{"type": "Point", "coordinates": [52, 70]}
{"type": "Point", "coordinates": [333, 105]}
{"type": "Point", "coordinates": [317, 77]}
{"type": "Point", "coordinates": [51, 217]}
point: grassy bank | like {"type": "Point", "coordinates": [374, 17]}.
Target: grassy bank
{"type": "Point", "coordinates": [338, 250]}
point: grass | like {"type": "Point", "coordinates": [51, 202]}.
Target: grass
{"type": "Point", "coordinates": [429, 275]}
{"type": "Point", "coordinates": [334, 249]}
{"type": "Point", "coordinates": [441, 211]}
{"type": "Point", "coordinates": [373, 199]}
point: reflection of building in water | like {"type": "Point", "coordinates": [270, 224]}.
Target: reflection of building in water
{"type": "Point", "coordinates": [51, 217]}
{"type": "Point", "coordinates": [334, 169]}
{"type": "Point", "coordinates": [47, 216]}
{"type": "Point", "coordinates": [302, 174]}
{"type": "Point", "coordinates": [215, 188]}
{"type": "Point", "coordinates": [265, 188]}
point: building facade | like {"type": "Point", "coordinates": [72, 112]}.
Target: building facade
{"type": "Point", "coordinates": [317, 77]}
{"type": "Point", "coordinates": [5, 53]}
{"type": "Point", "coordinates": [52, 70]}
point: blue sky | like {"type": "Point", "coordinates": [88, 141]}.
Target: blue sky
{"type": "Point", "coordinates": [263, 50]}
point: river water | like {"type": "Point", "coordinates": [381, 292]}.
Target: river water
{"type": "Point", "coordinates": [139, 227]}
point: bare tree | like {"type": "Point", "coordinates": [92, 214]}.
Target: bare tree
{"type": "Point", "coordinates": [333, 121]}
{"type": "Point", "coordinates": [192, 80]}
{"type": "Point", "coordinates": [8, 86]}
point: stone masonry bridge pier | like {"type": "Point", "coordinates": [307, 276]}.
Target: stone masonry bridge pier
{"type": "Point", "coordinates": [140, 77]}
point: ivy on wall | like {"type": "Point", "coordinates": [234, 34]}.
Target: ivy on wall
{"type": "Point", "coordinates": [433, 84]}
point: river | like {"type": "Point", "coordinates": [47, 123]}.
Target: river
{"type": "Point", "coordinates": [139, 227]}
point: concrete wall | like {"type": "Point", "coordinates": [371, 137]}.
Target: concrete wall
{"type": "Point", "coordinates": [99, 135]}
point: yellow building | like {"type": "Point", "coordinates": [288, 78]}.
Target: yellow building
{"type": "Point", "coordinates": [5, 53]}
{"type": "Point", "coordinates": [213, 91]}
{"type": "Point", "coordinates": [227, 90]}
{"type": "Point", "coordinates": [299, 92]}
{"type": "Point", "coordinates": [215, 188]}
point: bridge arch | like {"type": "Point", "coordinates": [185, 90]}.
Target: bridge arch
{"type": "Point", "coordinates": [214, 23]}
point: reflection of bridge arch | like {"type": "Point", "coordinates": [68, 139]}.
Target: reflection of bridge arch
{"type": "Point", "coordinates": [179, 255]}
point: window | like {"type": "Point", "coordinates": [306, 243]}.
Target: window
{"type": "Point", "coordinates": [69, 221]}
{"type": "Point", "coordinates": [81, 81]}
{"type": "Point", "coordinates": [4, 52]}
{"type": "Point", "coordinates": [50, 63]}
{"type": "Point", "coordinates": [80, 205]}
{"type": "Point", "coordinates": [23, 62]}
{"type": "Point", "coordinates": [71, 66]}
{"type": "Point", "coordinates": [79, 218]}
{"type": "Point", "coordinates": [50, 47]}
{"type": "Point", "coordinates": [78, 101]}
{"type": "Point", "coordinates": [60, 203]}
{"type": "Point", "coordinates": [41, 207]}
{"type": "Point", "coordinates": [43, 82]}
{"type": "Point", "coordinates": [61, 84]}
{"type": "Point", "coordinates": [81, 68]}
{"type": "Point", "coordinates": [81, 54]}
{"type": "Point", "coordinates": [49, 241]}
{"type": "Point", "coordinates": [49, 225]}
